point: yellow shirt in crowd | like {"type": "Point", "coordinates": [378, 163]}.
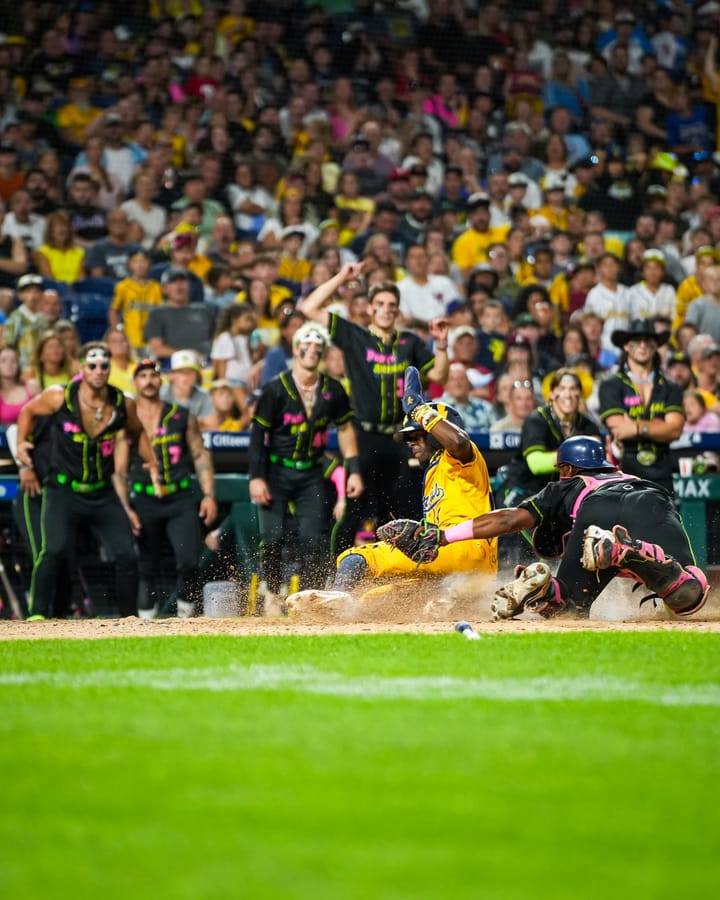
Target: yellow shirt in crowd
{"type": "Point", "coordinates": [134, 300]}
{"type": "Point", "coordinates": [65, 265]}
{"type": "Point", "coordinates": [471, 247]}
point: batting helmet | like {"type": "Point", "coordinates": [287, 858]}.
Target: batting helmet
{"type": "Point", "coordinates": [411, 427]}
{"type": "Point", "coordinates": [583, 453]}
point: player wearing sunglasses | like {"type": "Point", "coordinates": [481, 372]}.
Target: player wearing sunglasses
{"type": "Point", "coordinates": [87, 479]}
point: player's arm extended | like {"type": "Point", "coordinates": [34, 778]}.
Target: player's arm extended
{"type": "Point", "coordinates": [489, 525]}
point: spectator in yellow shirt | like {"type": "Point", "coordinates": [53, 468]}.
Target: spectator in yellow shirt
{"type": "Point", "coordinates": [122, 361]}
{"type": "Point", "coordinates": [60, 258]}
{"type": "Point", "coordinates": [554, 208]}
{"type": "Point", "coordinates": [292, 267]}
{"type": "Point", "coordinates": [74, 117]}
{"type": "Point", "coordinates": [133, 299]}
{"type": "Point", "coordinates": [691, 288]}
{"type": "Point", "coordinates": [471, 247]}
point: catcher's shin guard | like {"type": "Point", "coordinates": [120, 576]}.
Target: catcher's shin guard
{"type": "Point", "coordinates": [690, 593]}
{"type": "Point", "coordinates": [684, 590]}
{"type": "Point", "coordinates": [534, 589]}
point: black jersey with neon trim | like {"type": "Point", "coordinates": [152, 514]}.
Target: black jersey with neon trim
{"type": "Point", "coordinates": [170, 448]}
{"type": "Point", "coordinates": [291, 433]}
{"type": "Point", "coordinates": [85, 459]}
{"type": "Point", "coordinates": [376, 368]}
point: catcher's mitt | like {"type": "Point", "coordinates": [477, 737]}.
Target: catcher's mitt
{"type": "Point", "coordinates": [419, 541]}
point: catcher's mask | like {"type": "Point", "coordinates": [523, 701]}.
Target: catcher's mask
{"type": "Point", "coordinates": [410, 427]}
{"type": "Point", "coordinates": [583, 453]}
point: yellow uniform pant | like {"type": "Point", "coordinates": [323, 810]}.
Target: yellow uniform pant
{"type": "Point", "coordinates": [464, 556]}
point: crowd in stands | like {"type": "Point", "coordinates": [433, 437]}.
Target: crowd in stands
{"type": "Point", "coordinates": [176, 175]}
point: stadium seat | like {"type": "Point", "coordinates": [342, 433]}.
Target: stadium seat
{"type": "Point", "coordinates": [89, 314]}
{"type": "Point", "coordinates": [104, 286]}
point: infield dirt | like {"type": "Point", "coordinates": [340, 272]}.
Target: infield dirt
{"type": "Point", "coordinates": [409, 606]}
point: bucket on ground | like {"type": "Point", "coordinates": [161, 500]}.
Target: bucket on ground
{"type": "Point", "coordinates": [221, 599]}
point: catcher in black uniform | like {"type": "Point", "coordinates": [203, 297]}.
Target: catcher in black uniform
{"type": "Point", "coordinates": [592, 517]}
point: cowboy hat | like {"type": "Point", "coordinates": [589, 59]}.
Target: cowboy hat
{"type": "Point", "coordinates": [639, 328]}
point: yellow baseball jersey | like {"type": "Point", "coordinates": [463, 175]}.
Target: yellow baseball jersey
{"type": "Point", "coordinates": [294, 269]}
{"type": "Point", "coordinates": [688, 290]}
{"type": "Point", "coordinates": [453, 492]}
{"type": "Point", "coordinates": [200, 265]}
{"type": "Point", "coordinates": [76, 119]}
{"type": "Point", "coordinates": [134, 301]}
{"type": "Point", "coordinates": [471, 247]}
{"type": "Point", "coordinates": [558, 218]}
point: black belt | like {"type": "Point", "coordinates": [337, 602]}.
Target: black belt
{"type": "Point", "coordinates": [302, 465]}
{"type": "Point", "coordinates": [165, 490]}
{"type": "Point", "coordinates": [376, 428]}
{"type": "Point", "coordinates": [80, 487]}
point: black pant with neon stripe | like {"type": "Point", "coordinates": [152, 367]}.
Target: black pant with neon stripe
{"type": "Point", "coordinates": [27, 513]}
{"type": "Point", "coordinates": [298, 495]}
{"type": "Point", "coordinates": [63, 511]}
{"type": "Point", "coordinates": [176, 517]}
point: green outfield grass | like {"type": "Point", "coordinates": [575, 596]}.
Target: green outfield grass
{"type": "Point", "coordinates": [575, 765]}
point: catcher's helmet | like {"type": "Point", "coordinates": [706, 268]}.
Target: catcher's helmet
{"type": "Point", "coordinates": [410, 426]}
{"type": "Point", "coordinates": [583, 453]}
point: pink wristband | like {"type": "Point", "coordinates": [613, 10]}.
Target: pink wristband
{"type": "Point", "coordinates": [461, 532]}
{"type": "Point", "coordinates": [338, 479]}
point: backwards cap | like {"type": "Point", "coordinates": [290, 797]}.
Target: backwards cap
{"type": "Point", "coordinates": [312, 333]}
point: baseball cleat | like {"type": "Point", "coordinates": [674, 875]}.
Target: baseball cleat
{"type": "Point", "coordinates": [597, 549]}
{"type": "Point", "coordinates": [532, 587]}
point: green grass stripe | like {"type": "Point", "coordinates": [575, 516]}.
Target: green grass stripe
{"type": "Point", "coordinates": [369, 766]}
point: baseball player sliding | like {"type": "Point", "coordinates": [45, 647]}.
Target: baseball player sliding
{"type": "Point", "coordinates": [602, 523]}
{"type": "Point", "coordinates": [456, 485]}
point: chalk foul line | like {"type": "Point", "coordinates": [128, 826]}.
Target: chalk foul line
{"type": "Point", "coordinates": [309, 680]}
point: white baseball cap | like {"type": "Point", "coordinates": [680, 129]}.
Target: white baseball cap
{"type": "Point", "coordinates": [184, 359]}
{"type": "Point", "coordinates": [29, 280]}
